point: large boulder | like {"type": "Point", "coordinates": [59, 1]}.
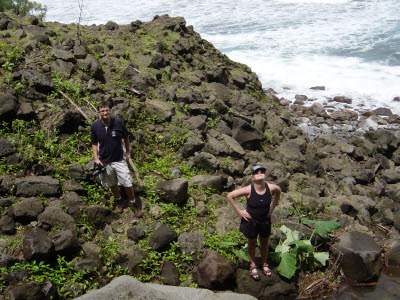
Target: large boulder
{"type": "Point", "coordinates": [162, 110]}
{"type": "Point", "coordinates": [6, 148]}
{"type": "Point", "coordinates": [69, 122]}
{"type": "Point", "coordinates": [223, 145]}
{"type": "Point", "coordinates": [268, 288]}
{"type": "Point", "coordinates": [39, 81]}
{"type": "Point", "coordinates": [393, 255]}
{"type": "Point", "coordinates": [37, 185]}
{"type": "Point", "coordinates": [361, 256]}
{"type": "Point", "coordinates": [191, 242]}
{"type": "Point", "coordinates": [65, 243]}
{"type": "Point", "coordinates": [131, 259]}
{"type": "Point", "coordinates": [206, 161]}
{"type": "Point", "coordinates": [214, 272]}
{"type": "Point", "coordinates": [246, 135]}
{"type": "Point", "coordinates": [227, 219]}
{"type": "Point", "coordinates": [215, 182]}
{"type": "Point", "coordinates": [170, 273]}
{"type": "Point", "coordinates": [162, 237]}
{"type": "Point", "coordinates": [37, 245]}
{"type": "Point", "coordinates": [8, 107]}
{"type": "Point", "coordinates": [55, 217]}
{"type": "Point", "coordinates": [173, 191]}
{"type": "Point", "coordinates": [98, 215]}
{"type": "Point", "coordinates": [126, 287]}
{"type": "Point", "coordinates": [27, 209]}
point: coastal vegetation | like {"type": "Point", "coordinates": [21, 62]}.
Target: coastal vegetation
{"type": "Point", "coordinates": [198, 121]}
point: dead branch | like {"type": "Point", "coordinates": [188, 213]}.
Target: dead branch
{"type": "Point", "coordinates": [76, 106]}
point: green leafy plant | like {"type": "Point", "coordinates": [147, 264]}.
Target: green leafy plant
{"type": "Point", "coordinates": [295, 253]}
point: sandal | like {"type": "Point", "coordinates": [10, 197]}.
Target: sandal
{"type": "Point", "coordinates": [254, 274]}
{"type": "Point", "coordinates": [266, 270]}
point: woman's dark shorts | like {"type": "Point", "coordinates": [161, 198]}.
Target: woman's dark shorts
{"type": "Point", "coordinates": [252, 228]}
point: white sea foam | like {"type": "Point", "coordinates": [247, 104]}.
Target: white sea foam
{"type": "Point", "coordinates": [348, 46]}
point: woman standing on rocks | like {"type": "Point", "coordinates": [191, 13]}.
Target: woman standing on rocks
{"type": "Point", "coordinates": [256, 218]}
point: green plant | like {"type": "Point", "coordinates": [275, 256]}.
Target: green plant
{"type": "Point", "coordinates": [62, 275]}
{"type": "Point", "coordinates": [24, 7]}
{"type": "Point", "coordinates": [231, 245]}
{"type": "Point", "coordinates": [109, 251]}
{"type": "Point", "coordinates": [295, 253]}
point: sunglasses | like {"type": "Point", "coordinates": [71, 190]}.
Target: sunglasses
{"type": "Point", "coordinates": [259, 172]}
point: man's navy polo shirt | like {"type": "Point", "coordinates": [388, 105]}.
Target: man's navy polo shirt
{"type": "Point", "coordinates": [109, 141]}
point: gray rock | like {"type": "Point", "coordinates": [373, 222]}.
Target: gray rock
{"type": "Point", "coordinates": [92, 66]}
{"type": "Point", "coordinates": [393, 255]}
{"type": "Point", "coordinates": [170, 273]}
{"type": "Point", "coordinates": [65, 243]}
{"type": "Point", "coordinates": [162, 110]}
{"type": "Point", "coordinates": [6, 148]}
{"type": "Point", "coordinates": [55, 217]}
{"type": "Point", "coordinates": [77, 172]}
{"type": "Point", "coordinates": [192, 145]}
{"type": "Point", "coordinates": [39, 81]}
{"type": "Point", "coordinates": [206, 161]}
{"type": "Point", "coordinates": [8, 108]}
{"type": "Point", "coordinates": [246, 135]}
{"type": "Point", "coordinates": [27, 209]}
{"type": "Point", "coordinates": [7, 225]}
{"type": "Point", "coordinates": [110, 25]}
{"type": "Point", "coordinates": [162, 237]}
{"type": "Point", "coordinates": [227, 219]}
{"type": "Point", "coordinates": [37, 185]}
{"type": "Point", "coordinates": [126, 287]}
{"type": "Point", "coordinates": [74, 204]}
{"type": "Point", "coordinates": [173, 191]}
{"type": "Point", "coordinates": [215, 182]}
{"type": "Point", "coordinates": [26, 290]}
{"type": "Point", "coordinates": [271, 287]}
{"type": "Point", "coordinates": [68, 122]}
{"type": "Point", "coordinates": [71, 185]}
{"type": "Point", "coordinates": [98, 215]}
{"type": "Point", "coordinates": [131, 259]}
{"type": "Point", "coordinates": [62, 67]}
{"type": "Point", "coordinates": [224, 145]}
{"type": "Point", "coordinates": [391, 176]}
{"type": "Point", "coordinates": [197, 122]}
{"type": "Point", "coordinates": [26, 111]}
{"type": "Point", "coordinates": [361, 256]}
{"type": "Point", "coordinates": [191, 242]}
{"type": "Point", "coordinates": [37, 245]}
{"type": "Point", "coordinates": [214, 272]}
{"type": "Point", "coordinates": [63, 55]}
{"type": "Point", "coordinates": [136, 233]}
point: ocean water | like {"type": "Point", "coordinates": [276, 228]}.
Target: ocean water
{"type": "Point", "coordinates": [351, 47]}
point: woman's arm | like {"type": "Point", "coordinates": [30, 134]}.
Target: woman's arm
{"type": "Point", "coordinates": [276, 194]}
{"type": "Point", "coordinates": [237, 194]}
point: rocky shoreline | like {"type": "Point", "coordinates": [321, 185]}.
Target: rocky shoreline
{"type": "Point", "coordinates": [184, 100]}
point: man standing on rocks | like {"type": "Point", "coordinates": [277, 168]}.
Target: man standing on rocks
{"type": "Point", "coordinates": [256, 218]}
{"type": "Point", "coordinates": [106, 136]}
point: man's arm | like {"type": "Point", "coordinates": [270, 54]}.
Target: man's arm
{"type": "Point", "coordinates": [276, 193]}
{"type": "Point", "coordinates": [96, 154]}
{"type": "Point", "coordinates": [127, 149]}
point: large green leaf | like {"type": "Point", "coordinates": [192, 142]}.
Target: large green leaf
{"type": "Point", "coordinates": [321, 257]}
{"type": "Point", "coordinates": [304, 246]}
{"type": "Point", "coordinates": [290, 235]}
{"type": "Point", "coordinates": [242, 254]}
{"type": "Point", "coordinates": [228, 244]}
{"type": "Point", "coordinates": [275, 256]}
{"type": "Point", "coordinates": [322, 227]}
{"type": "Point", "coordinates": [287, 266]}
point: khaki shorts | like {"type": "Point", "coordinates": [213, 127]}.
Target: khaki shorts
{"type": "Point", "coordinates": [116, 172]}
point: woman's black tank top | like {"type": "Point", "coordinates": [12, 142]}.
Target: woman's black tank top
{"type": "Point", "coordinates": [258, 205]}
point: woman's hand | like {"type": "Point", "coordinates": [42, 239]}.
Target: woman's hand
{"type": "Point", "coordinates": [244, 214]}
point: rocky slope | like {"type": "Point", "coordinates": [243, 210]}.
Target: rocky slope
{"type": "Point", "coordinates": [198, 122]}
